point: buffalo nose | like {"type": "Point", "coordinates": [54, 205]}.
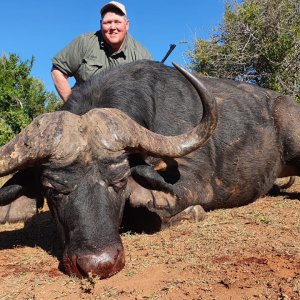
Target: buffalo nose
{"type": "Point", "coordinates": [108, 262]}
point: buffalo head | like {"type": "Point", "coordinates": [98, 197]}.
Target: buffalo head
{"type": "Point", "coordinates": [84, 168]}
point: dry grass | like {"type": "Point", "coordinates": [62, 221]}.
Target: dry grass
{"type": "Point", "coordinates": [252, 252]}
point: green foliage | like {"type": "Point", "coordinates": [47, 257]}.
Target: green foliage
{"type": "Point", "coordinates": [22, 97]}
{"type": "Point", "coordinates": [258, 40]}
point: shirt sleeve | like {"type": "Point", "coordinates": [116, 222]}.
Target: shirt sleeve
{"type": "Point", "coordinates": [140, 51]}
{"type": "Point", "coordinates": [146, 54]}
{"type": "Point", "coordinates": [70, 58]}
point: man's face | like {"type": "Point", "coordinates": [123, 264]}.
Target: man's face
{"type": "Point", "coordinates": [114, 29]}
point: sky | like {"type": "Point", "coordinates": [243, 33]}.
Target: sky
{"type": "Point", "coordinates": [42, 28]}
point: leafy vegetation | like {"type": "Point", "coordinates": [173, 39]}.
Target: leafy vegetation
{"type": "Point", "coordinates": [258, 41]}
{"type": "Point", "coordinates": [22, 97]}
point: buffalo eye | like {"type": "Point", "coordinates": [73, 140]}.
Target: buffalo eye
{"type": "Point", "coordinates": [55, 194]}
{"type": "Point", "coordinates": [55, 191]}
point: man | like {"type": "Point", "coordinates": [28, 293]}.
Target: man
{"type": "Point", "coordinates": [90, 53]}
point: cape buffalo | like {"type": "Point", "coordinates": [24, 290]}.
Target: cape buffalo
{"type": "Point", "coordinates": [144, 137]}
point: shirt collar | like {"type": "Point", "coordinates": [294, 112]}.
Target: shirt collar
{"type": "Point", "coordinates": [107, 48]}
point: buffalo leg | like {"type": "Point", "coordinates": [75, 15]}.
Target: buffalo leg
{"type": "Point", "coordinates": [20, 210]}
{"type": "Point", "coordinates": [194, 213]}
{"type": "Point", "coordinates": [21, 196]}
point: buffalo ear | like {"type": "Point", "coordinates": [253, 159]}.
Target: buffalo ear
{"type": "Point", "coordinates": [150, 179]}
{"type": "Point", "coordinates": [23, 183]}
{"type": "Point", "coordinates": [10, 193]}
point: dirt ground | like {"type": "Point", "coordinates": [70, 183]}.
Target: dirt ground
{"type": "Point", "coordinates": [252, 252]}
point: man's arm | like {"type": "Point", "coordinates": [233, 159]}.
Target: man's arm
{"type": "Point", "coordinates": [61, 83]}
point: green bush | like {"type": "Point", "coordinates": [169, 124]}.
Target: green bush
{"type": "Point", "coordinates": [22, 97]}
{"type": "Point", "coordinates": [258, 41]}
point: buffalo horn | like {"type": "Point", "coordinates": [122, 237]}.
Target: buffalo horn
{"type": "Point", "coordinates": [39, 142]}
{"type": "Point", "coordinates": [124, 133]}
{"type": "Point", "coordinates": [61, 137]}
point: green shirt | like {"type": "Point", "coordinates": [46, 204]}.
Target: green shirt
{"type": "Point", "coordinates": [88, 54]}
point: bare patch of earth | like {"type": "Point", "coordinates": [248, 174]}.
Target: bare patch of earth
{"type": "Point", "coordinates": [251, 252]}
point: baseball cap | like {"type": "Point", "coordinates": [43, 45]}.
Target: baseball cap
{"type": "Point", "coordinates": [113, 4]}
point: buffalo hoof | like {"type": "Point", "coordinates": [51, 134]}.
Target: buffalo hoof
{"type": "Point", "coordinates": [281, 185]}
{"type": "Point", "coordinates": [192, 214]}
{"type": "Point", "coordinates": [103, 265]}
{"type": "Point", "coordinates": [19, 210]}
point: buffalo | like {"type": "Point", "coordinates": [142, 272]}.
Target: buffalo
{"type": "Point", "coordinates": [148, 145]}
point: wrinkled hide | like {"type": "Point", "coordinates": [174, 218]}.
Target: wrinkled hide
{"type": "Point", "coordinates": [85, 162]}
{"type": "Point", "coordinates": [143, 144]}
